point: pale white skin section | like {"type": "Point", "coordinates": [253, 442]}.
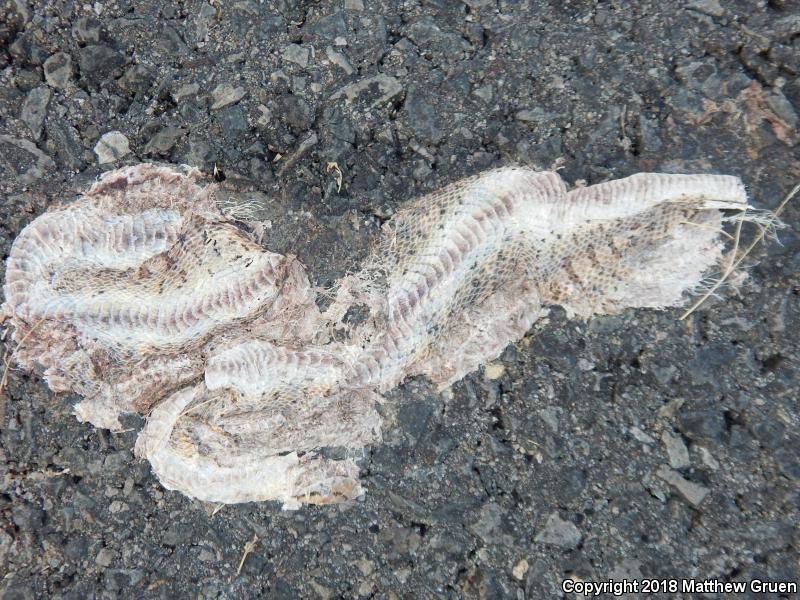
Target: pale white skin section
{"type": "Point", "coordinates": [639, 192]}
{"type": "Point", "coordinates": [270, 407]}
{"type": "Point", "coordinates": [62, 246]}
{"type": "Point", "coordinates": [128, 288]}
{"type": "Point", "coordinates": [258, 367]}
{"type": "Point", "coordinates": [268, 478]}
{"type": "Point", "coordinates": [662, 278]}
{"type": "Point", "coordinates": [205, 469]}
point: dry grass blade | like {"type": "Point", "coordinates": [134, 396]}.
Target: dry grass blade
{"type": "Point", "coordinates": [7, 355]}
{"type": "Point", "coordinates": [735, 262]}
{"type": "Point", "coordinates": [4, 378]}
{"type": "Point", "coordinates": [248, 548]}
{"type": "Point", "coordinates": [7, 367]}
{"type": "Point", "coordinates": [709, 227]}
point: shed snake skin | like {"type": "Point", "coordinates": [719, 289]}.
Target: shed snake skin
{"type": "Point", "coordinates": [143, 296]}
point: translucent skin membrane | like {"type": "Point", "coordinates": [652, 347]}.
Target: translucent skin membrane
{"type": "Point", "coordinates": [143, 296]}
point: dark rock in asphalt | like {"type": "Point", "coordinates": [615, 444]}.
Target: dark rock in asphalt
{"type": "Point", "coordinates": [99, 63]}
{"type": "Point", "coordinates": [64, 143]}
{"type": "Point", "coordinates": [163, 141]}
{"type": "Point", "coordinates": [558, 532]}
{"type": "Point", "coordinates": [296, 112]}
{"type": "Point", "coordinates": [34, 110]}
{"type": "Point", "coordinates": [630, 446]}
{"type": "Point", "coordinates": [86, 30]}
{"type": "Point", "coordinates": [422, 116]}
{"type": "Point", "coordinates": [137, 79]}
{"type": "Point", "coordinates": [58, 70]}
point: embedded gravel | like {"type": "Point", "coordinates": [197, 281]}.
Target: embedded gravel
{"type": "Point", "coordinates": [629, 446]}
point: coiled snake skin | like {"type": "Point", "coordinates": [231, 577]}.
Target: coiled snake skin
{"type": "Point", "coordinates": [142, 296]}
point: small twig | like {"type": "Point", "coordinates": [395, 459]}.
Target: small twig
{"type": "Point", "coordinates": [32, 329]}
{"type": "Point", "coordinates": [40, 475]}
{"type": "Point", "coordinates": [4, 378]}
{"type": "Point", "coordinates": [248, 548]}
{"type": "Point", "coordinates": [734, 264]}
{"type": "Point", "coordinates": [6, 367]}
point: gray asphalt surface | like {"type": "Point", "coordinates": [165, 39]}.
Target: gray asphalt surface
{"type": "Point", "coordinates": [634, 446]}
